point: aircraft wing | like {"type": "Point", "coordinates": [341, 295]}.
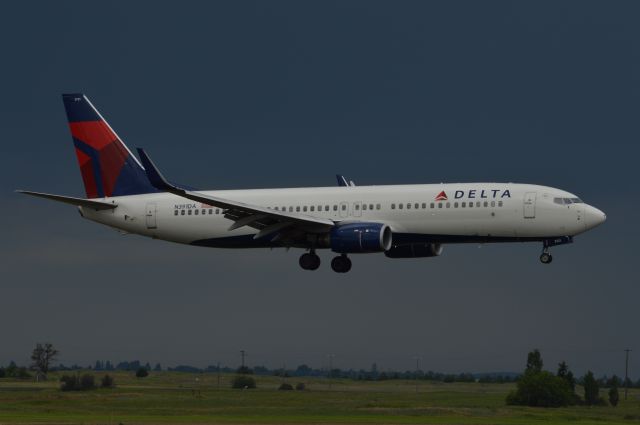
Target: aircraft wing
{"type": "Point", "coordinates": [81, 202]}
{"type": "Point", "coordinates": [267, 220]}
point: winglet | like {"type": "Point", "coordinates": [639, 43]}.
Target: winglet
{"type": "Point", "coordinates": [341, 180]}
{"type": "Point", "coordinates": [156, 178]}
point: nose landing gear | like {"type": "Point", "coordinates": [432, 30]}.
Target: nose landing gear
{"type": "Point", "coordinates": [546, 257]}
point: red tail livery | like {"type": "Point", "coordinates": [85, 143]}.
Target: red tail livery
{"type": "Point", "coordinates": [107, 166]}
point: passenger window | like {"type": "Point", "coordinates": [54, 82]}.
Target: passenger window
{"type": "Point", "coordinates": [408, 206]}
{"type": "Point", "coordinates": [298, 208]}
{"type": "Point", "coordinates": [478, 204]}
{"type": "Point", "coordinates": [196, 212]}
{"type": "Point", "coordinates": [416, 206]}
{"type": "Point", "coordinates": [313, 208]}
{"type": "Point", "coordinates": [364, 207]}
{"type": "Point", "coordinates": [464, 205]}
{"type": "Point", "coordinates": [217, 211]}
{"type": "Point", "coordinates": [204, 212]}
{"type": "Point", "coordinates": [182, 212]}
{"type": "Point", "coordinates": [290, 209]}
{"type": "Point", "coordinates": [455, 205]}
{"type": "Point", "coordinates": [175, 212]}
{"type": "Point", "coordinates": [448, 204]}
{"type": "Point", "coordinates": [377, 206]}
{"type": "Point", "coordinates": [439, 204]}
{"type": "Point", "coordinates": [424, 205]}
{"type": "Point", "coordinates": [400, 206]}
{"type": "Point", "coordinates": [319, 208]}
{"type": "Point", "coordinates": [326, 207]}
{"type": "Point", "coordinates": [210, 211]}
{"type": "Point", "coordinates": [189, 212]}
{"type": "Point", "coordinates": [371, 207]}
{"type": "Point", "coordinates": [493, 203]}
{"type": "Point", "coordinates": [499, 203]}
{"type": "Point", "coordinates": [304, 208]}
{"type": "Point", "coordinates": [393, 206]}
{"type": "Point", "coordinates": [357, 207]}
{"type": "Point", "coordinates": [432, 205]}
{"type": "Point", "coordinates": [335, 208]}
{"type": "Point", "coordinates": [344, 207]}
{"type": "Point", "coordinates": [470, 204]}
{"type": "Point", "coordinates": [486, 204]}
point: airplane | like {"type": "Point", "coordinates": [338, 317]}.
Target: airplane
{"type": "Point", "coordinates": [401, 221]}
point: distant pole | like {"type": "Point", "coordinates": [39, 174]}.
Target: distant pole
{"type": "Point", "coordinates": [242, 354]}
{"type": "Point", "coordinates": [626, 372]}
{"type": "Point", "coordinates": [331, 356]}
{"type": "Point", "coordinates": [417, 371]}
{"type": "Point", "coordinates": [218, 375]}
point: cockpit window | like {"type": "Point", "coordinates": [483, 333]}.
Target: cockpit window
{"type": "Point", "coordinates": [567, 201]}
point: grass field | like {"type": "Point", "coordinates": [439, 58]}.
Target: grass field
{"type": "Point", "coordinates": [177, 398]}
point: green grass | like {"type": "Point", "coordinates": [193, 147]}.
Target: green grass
{"type": "Point", "coordinates": [177, 398]}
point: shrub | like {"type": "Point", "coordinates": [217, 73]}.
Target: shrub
{"type": "Point", "coordinates": [142, 372]}
{"type": "Point", "coordinates": [591, 389]}
{"type": "Point", "coordinates": [300, 386]}
{"type": "Point", "coordinates": [107, 382]}
{"type": "Point", "coordinates": [75, 383]}
{"type": "Point", "coordinates": [541, 389]}
{"type": "Point", "coordinates": [243, 382]}
{"type": "Point", "coordinates": [285, 387]}
{"type": "Point", "coordinates": [87, 382]}
{"type": "Point", "coordinates": [614, 397]}
{"type": "Point", "coordinates": [2, 373]}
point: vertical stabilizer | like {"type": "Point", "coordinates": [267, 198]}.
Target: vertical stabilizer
{"type": "Point", "coordinates": [107, 166]}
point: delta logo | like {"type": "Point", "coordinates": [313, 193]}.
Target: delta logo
{"type": "Point", "coordinates": [442, 196]}
{"type": "Point", "coordinates": [476, 194]}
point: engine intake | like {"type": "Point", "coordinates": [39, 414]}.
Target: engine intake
{"type": "Point", "coordinates": [416, 250]}
{"type": "Point", "coordinates": [360, 238]}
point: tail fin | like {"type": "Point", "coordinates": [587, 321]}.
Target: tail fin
{"type": "Point", "coordinates": [108, 167]}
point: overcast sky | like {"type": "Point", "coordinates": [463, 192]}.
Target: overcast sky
{"type": "Point", "coordinates": [278, 94]}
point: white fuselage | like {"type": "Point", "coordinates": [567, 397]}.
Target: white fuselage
{"type": "Point", "coordinates": [486, 212]}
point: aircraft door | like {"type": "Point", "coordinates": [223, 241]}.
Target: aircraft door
{"type": "Point", "coordinates": [344, 209]}
{"type": "Point", "coordinates": [530, 205]}
{"type": "Point", "coordinates": [357, 209]}
{"type": "Point", "coordinates": [151, 216]}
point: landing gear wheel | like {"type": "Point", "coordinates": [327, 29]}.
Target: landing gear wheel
{"type": "Point", "coordinates": [341, 264]}
{"type": "Point", "coordinates": [309, 261]}
{"type": "Point", "coordinates": [546, 258]}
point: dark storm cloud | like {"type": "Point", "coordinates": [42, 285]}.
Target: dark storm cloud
{"type": "Point", "coordinates": [257, 94]}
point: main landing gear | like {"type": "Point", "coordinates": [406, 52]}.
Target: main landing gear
{"type": "Point", "coordinates": [341, 264]}
{"type": "Point", "coordinates": [311, 261]}
{"type": "Point", "coordinates": [546, 257]}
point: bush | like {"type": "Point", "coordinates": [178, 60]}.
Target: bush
{"type": "Point", "coordinates": [75, 383]}
{"type": "Point", "coordinates": [2, 373]}
{"type": "Point", "coordinates": [300, 386]}
{"type": "Point", "coordinates": [541, 389]}
{"type": "Point", "coordinates": [107, 382]}
{"type": "Point", "coordinates": [285, 387]}
{"type": "Point", "coordinates": [142, 372]}
{"type": "Point", "coordinates": [243, 382]}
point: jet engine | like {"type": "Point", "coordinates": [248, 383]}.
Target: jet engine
{"type": "Point", "coordinates": [415, 250]}
{"type": "Point", "coordinates": [360, 238]}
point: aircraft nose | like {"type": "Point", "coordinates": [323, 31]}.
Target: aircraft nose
{"type": "Point", "coordinates": [594, 217]}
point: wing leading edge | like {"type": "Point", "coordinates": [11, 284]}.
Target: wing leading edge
{"type": "Point", "coordinates": [266, 220]}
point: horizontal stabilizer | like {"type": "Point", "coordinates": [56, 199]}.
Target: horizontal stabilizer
{"type": "Point", "coordinates": [81, 202]}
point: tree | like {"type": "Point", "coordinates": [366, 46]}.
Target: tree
{"type": "Point", "coordinates": [157, 367]}
{"type": "Point", "coordinates": [243, 382]}
{"type": "Point", "coordinates": [534, 362]}
{"type": "Point", "coordinates": [591, 389]}
{"type": "Point", "coordinates": [614, 397]}
{"type": "Point", "coordinates": [42, 356]}
{"type": "Point", "coordinates": [567, 375]}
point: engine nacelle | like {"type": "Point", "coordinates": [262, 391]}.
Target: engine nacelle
{"type": "Point", "coordinates": [360, 238]}
{"type": "Point", "coordinates": [415, 250]}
